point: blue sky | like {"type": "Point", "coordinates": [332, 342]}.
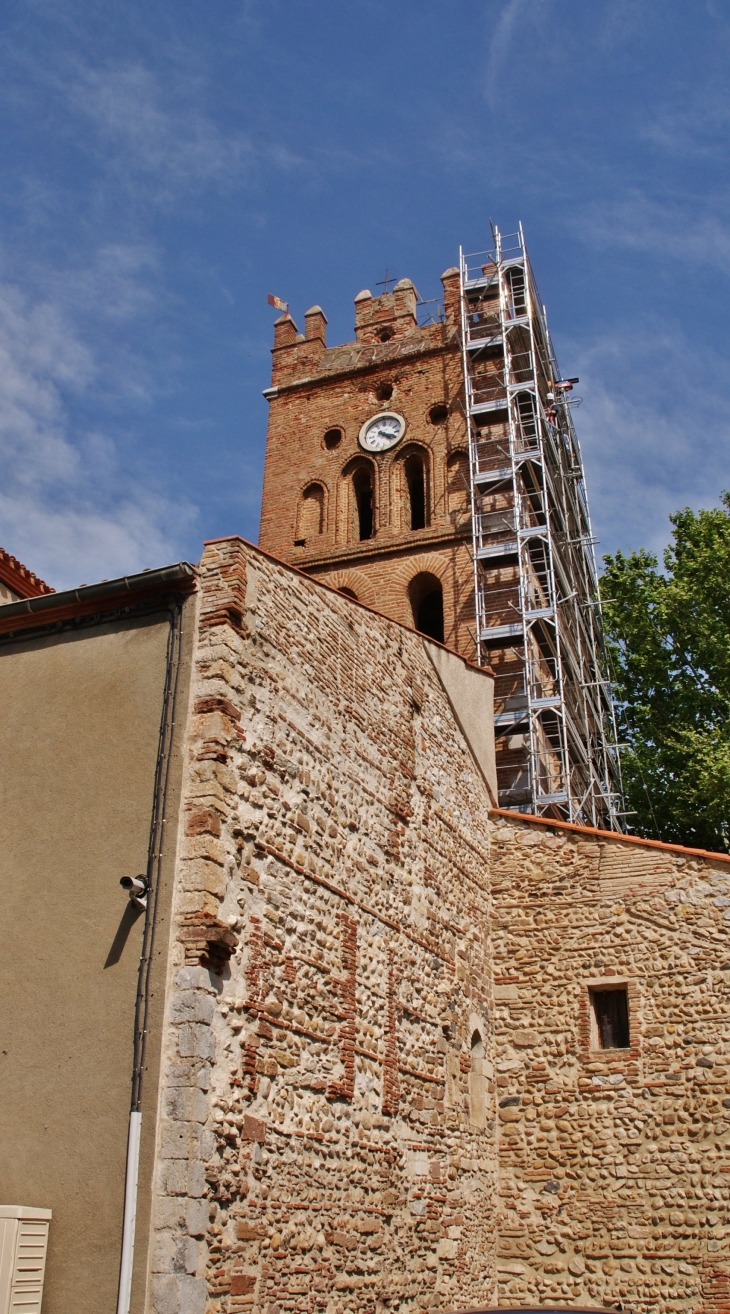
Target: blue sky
{"type": "Point", "coordinates": [166, 165]}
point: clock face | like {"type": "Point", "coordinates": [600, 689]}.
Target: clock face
{"type": "Point", "coordinates": [382, 431]}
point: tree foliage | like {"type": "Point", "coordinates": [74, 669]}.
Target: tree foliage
{"type": "Point", "coordinates": [669, 644]}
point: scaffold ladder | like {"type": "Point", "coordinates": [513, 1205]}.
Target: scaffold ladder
{"type": "Point", "coordinates": [535, 580]}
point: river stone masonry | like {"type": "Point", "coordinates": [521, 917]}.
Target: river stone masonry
{"type": "Point", "coordinates": [329, 1134]}
{"type": "Point", "coordinates": [614, 1169]}
{"type": "Point", "coordinates": [383, 1086]}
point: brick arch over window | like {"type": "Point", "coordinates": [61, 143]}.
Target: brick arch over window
{"type": "Point", "coordinates": [358, 501]}
{"type": "Point", "coordinates": [426, 596]}
{"type": "Point", "coordinates": [412, 487]}
{"type": "Point", "coordinates": [311, 514]}
{"type": "Point", "coordinates": [353, 584]}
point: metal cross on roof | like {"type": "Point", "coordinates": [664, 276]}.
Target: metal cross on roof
{"type": "Point", "coordinates": [385, 281]}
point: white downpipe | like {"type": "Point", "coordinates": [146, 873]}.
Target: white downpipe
{"type": "Point", "coordinates": [130, 1214]}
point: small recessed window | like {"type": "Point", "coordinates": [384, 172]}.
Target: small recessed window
{"type": "Point", "coordinates": [384, 392]}
{"type": "Point", "coordinates": [332, 439]}
{"type": "Point", "coordinates": [438, 414]}
{"type": "Point", "coordinates": [384, 334]}
{"type": "Point", "coordinates": [611, 1017]}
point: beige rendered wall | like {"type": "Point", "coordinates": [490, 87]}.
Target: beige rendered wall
{"type": "Point", "coordinates": [79, 726]}
{"type": "Point", "coordinates": [470, 691]}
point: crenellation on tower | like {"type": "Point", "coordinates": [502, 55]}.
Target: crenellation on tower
{"type": "Point", "coordinates": [315, 325]}
{"type": "Point", "coordinates": [388, 317]}
{"type": "Point", "coordinates": [366, 476]}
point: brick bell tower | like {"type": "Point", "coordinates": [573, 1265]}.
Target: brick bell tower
{"type": "Point", "coordinates": [366, 479]}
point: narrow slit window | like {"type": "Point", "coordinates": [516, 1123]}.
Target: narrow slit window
{"type": "Point", "coordinates": [416, 492]}
{"type": "Point", "coordinates": [477, 1084]}
{"type": "Point", "coordinates": [611, 1013]}
{"type": "Point", "coordinates": [363, 486]}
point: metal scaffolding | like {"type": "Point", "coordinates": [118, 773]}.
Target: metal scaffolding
{"type": "Point", "coordinates": [537, 601]}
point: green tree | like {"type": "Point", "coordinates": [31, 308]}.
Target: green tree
{"type": "Point", "coordinates": [669, 643]}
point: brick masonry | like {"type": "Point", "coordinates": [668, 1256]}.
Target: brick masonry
{"type": "Point", "coordinates": [380, 1088]}
{"type": "Point", "coordinates": [316, 389]}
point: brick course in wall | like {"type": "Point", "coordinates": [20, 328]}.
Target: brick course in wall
{"type": "Point", "coordinates": [318, 1149]}
{"type": "Point", "coordinates": [382, 1087]}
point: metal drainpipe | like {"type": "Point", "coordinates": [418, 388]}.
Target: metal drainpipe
{"type": "Point", "coordinates": [154, 862]}
{"type": "Point", "coordinates": [130, 1213]}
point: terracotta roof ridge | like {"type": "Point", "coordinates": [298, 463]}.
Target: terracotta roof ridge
{"type": "Point", "coordinates": [20, 578]}
{"type": "Point", "coordinates": [607, 834]}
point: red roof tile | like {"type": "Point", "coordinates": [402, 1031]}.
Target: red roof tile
{"type": "Point", "coordinates": [19, 579]}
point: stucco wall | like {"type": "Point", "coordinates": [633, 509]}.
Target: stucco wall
{"type": "Point", "coordinates": [79, 727]}
{"type": "Point", "coordinates": [324, 1086]}
{"type": "Point", "coordinates": [614, 1164]}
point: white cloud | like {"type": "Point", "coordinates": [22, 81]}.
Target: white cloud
{"type": "Point", "coordinates": [76, 543]}
{"type": "Point", "coordinates": [38, 359]}
{"type": "Point", "coordinates": [690, 231]}
{"type": "Point", "coordinates": [66, 507]}
{"type": "Point", "coordinates": [157, 128]}
{"type": "Point", "coordinates": [655, 432]}
{"type": "Point", "coordinates": [505, 31]}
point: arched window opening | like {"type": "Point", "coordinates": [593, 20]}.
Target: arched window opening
{"type": "Point", "coordinates": [427, 603]}
{"type": "Point", "coordinates": [310, 519]}
{"type": "Point", "coordinates": [430, 619]}
{"type": "Point", "coordinates": [477, 1047]}
{"type": "Point", "coordinates": [362, 483]}
{"type": "Point", "coordinates": [384, 334]}
{"type": "Point", "coordinates": [348, 593]}
{"type": "Point", "coordinates": [332, 439]}
{"type": "Point", "coordinates": [416, 491]}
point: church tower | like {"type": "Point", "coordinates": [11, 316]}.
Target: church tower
{"type": "Point", "coordinates": [367, 472]}
{"type": "Point", "coordinates": [432, 471]}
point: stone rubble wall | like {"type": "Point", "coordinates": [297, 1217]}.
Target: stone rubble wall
{"type": "Point", "coordinates": [614, 1165]}
{"type": "Point", "coordinates": [327, 1134]}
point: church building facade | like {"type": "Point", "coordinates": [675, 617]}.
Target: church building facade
{"type": "Point", "coordinates": [366, 481]}
{"type": "Point", "coordinates": [383, 1046]}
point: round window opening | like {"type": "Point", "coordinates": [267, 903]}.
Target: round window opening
{"type": "Point", "coordinates": [385, 334]}
{"type": "Point", "coordinates": [438, 414]}
{"type": "Point", "coordinates": [332, 439]}
{"type": "Point", "coordinates": [384, 392]}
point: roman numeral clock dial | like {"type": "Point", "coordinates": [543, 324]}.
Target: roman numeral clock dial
{"type": "Point", "coordinates": [382, 432]}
